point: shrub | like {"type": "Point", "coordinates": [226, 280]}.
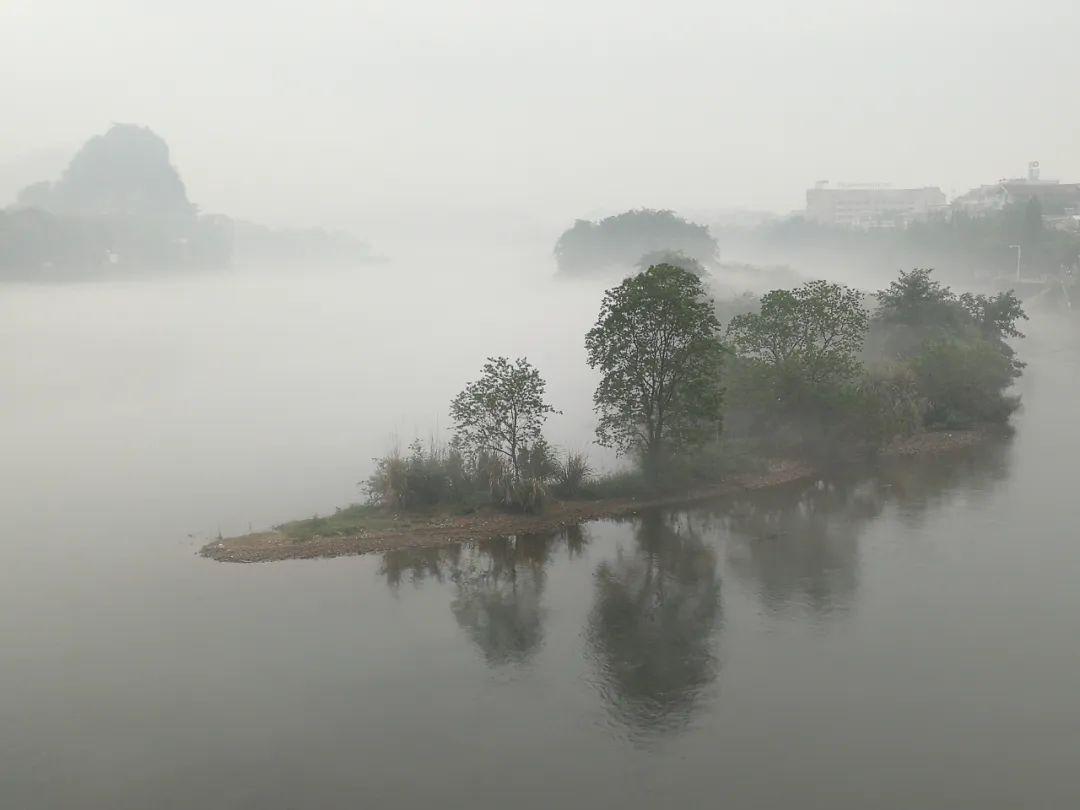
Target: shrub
{"type": "Point", "coordinates": [572, 475]}
{"type": "Point", "coordinates": [964, 383]}
{"type": "Point", "coordinates": [887, 403]}
{"type": "Point", "coordinates": [425, 477]}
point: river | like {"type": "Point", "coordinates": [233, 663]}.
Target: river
{"type": "Point", "coordinates": [906, 638]}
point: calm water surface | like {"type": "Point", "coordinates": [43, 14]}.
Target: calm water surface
{"type": "Point", "coordinates": [907, 638]}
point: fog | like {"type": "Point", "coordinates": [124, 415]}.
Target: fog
{"type": "Point", "coordinates": [366, 115]}
{"type": "Point", "coordinates": [221, 387]}
{"type": "Point", "coordinates": [891, 623]}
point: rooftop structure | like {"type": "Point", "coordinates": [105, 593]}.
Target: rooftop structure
{"type": "Point", "coordinates": [1056, 198]}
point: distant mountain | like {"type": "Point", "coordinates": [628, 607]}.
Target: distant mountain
{"type": "Point", "coordinates": [121, 206]}
{"type": "Point", "coordinates": [124, 173]}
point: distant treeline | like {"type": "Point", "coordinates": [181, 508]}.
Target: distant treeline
{"type": "Point", "coordinates": [961, 246]}
{"type": "Point", "coordinates": [619, 242]}
{"type": "Point", "coordinates": [37, 244]}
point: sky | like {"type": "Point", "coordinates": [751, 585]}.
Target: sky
{"type": "Point", "coordinates": [346, 113]}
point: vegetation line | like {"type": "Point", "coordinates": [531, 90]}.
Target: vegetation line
{"type": "Point", "coordinates": [369, 528]}
{"type": "Point", "coordinates": [809, 376]}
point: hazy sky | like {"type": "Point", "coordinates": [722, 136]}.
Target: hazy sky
{"type": "Point", "coordinates": [336, 112]}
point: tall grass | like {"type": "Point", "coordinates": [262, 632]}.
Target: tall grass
{"type": "Point", "coordinates": [571, 475]}
{"type": "Point", "coordinates": [439, 474]}
{"type": "Point", "coordinates": [424, 476]}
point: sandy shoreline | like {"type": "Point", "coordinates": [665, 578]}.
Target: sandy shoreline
{"type": "Point", "coordinates": [444, 530]}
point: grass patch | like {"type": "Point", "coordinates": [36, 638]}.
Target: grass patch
{"type": "Point", "coordinates": [349, 520]}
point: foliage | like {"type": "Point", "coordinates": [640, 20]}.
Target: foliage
{"type": "Point", "coordinates": [915, 300]}
{"type": "Point", "coordinates": [622, 240]}
{"type": "Point", "coordinates": [424, 477]}
{"type": "Point", "coordinates": [657, 348]}
{"type": "Point", "coordinates": [964, 382]}
{"type": "Point", "coordinates": [40, 244]}
{"type": "Point", "coordinates": [794, 378]}
{"type": "Point", "coordinates": [434, 475]}
{"type": "Point", "coordinates": [995, 316]}
{"type": "Point", "coordinates": [813, 332]}
{"type": "Point", "coordinates": [888, 403]}
{"type": "Point", "coordinates": [572, 475]}
{"type": "Point", "coordinates": [675, 258]}
{"type": "Point", "coordinates": [956, 346]}
{"type": "Point", "coordinates": [813, 371]}
{"type": "Point", "coordinates": [962, 245]}
{"type": "Point", "coordinates": [503, 412]}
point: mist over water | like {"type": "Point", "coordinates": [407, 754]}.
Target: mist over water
{"type": "Point", "coordinates": [225, 386]}
{"type": "Point", "coordinates": [245, 249]}
{"type": "Point", "coordinates": [887, 634]}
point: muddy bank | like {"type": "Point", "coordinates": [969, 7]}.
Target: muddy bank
{"type": "Point", "coordinates": [929, 443]}
{"type": "Point", "coordinates": [446, 529]}
{"type": "Point", "coordinates": [443, 530]}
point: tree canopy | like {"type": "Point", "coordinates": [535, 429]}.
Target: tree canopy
{"type": "Point", "coordinates": [815, 330]}
{"type": "Point", "coordinates": [622, 240]}
{"type": "Point", "coordinates": [957, 346]}
{"type": "Point", "coordinates": [656, 343]}
{"type": "Point", "coordinates": [503, 412]}
{"type": "Point", "coordinates": [916, 309]}
{"type": "Point", "coordinates": [675, 258]}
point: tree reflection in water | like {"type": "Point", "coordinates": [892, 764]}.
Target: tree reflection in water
{"type": "Point", "coordinates": [498, 587]}
{"type": "Point", "coordinates": [651, 629]}
{"type": "Point", "coordinates": [799, 547]}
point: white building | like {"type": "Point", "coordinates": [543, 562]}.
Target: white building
{"type": "Point", "coordinates": [871, 205]}
{"type": "Point", "coordinates": [1058, 200]}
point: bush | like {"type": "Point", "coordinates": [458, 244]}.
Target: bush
{"type": "Point", "coordinates": [425, 477]}
{"type": "Point", "coordinates": [572, 475]}
{"type": "Point", "coordinates": [887, 403]}
{"type": "Point", "coordinates": [438, 474]}
{"type": "Point", "coordinates": [629, 483]}
{"type": "Point", "coordinates": [964, 383]}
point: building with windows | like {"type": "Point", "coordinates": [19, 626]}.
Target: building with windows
{"type": "Point", "coordinates": [1058, 200]}
{"type": "Point", "coordinates": [871, 205]}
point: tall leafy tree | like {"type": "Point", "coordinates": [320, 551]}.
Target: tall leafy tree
{"type": "Point", "coordinates": [813, 332]}
{"type": "Point", "coordinates": [656, 344]}
{"type": "Point", "coordinates": [503, 412]}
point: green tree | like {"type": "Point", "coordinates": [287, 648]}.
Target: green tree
{"type": "Point", "coordinates": [797, 364]}
{"type": "Point", "coordinates": [916, 300]}
{"type": "Point", "coordinates": [814, 331]}
{"type": "Point", "coordinates": [996, 316]}
{"type": "Point", "coordinates": [673, 257]}
{"type": "Point", "coordinates": [620, 241]}
{"type": "Point", "coordinates": [656, 344]}
{"type": "Point", "coordinates": [956, 345]}
{"type": "Point", "coordinates": [964, 382]}
{"type": "Point", "coordinates": [503, 412]}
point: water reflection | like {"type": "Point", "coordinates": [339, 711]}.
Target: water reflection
{"type": "Point", "coordinates": [498, 597]}
{"type": "Point", "coordinates": [919, 486]}
{"type": "Point", "coordinates": [652, 618]}
{"type": "Point", "coordinates": [798, 547]}
{"type": "Point", "coordinates": [651, 629]}
{"type": "Point", "coordinates": [498, 587]}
